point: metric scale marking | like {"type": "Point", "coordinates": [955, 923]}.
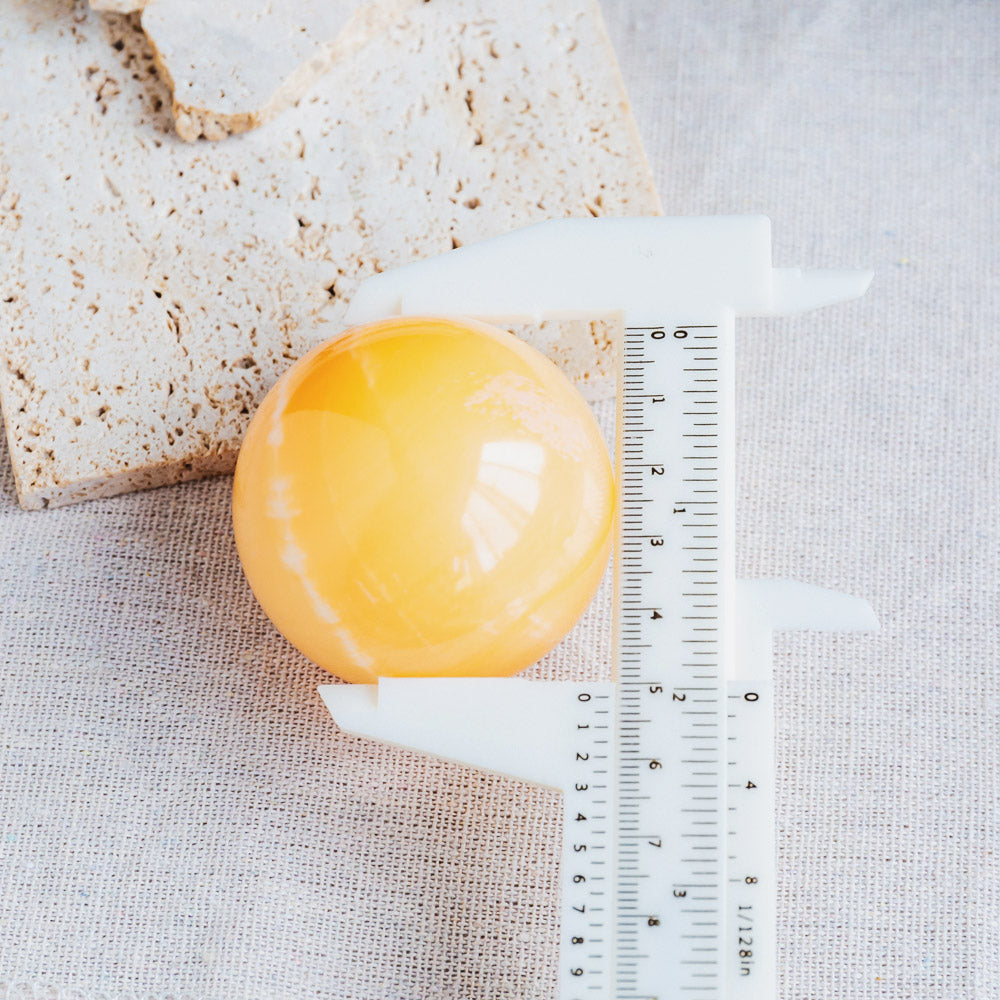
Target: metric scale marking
{"type": "Point", "coordinates": [667, 876]}
{"type": "Point", "coordinates": [672, 705]}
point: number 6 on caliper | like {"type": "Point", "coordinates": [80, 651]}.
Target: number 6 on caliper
{"type": "Point", "coordinates": [668, 874]}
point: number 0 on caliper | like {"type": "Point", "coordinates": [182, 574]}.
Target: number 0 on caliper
{"type": "Point", "coordinates": [668, 872]}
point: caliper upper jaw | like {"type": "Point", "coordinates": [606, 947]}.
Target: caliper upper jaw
{"type": "Point", "coordinates": [764, 607]}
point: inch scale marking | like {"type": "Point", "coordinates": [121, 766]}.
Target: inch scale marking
{"type": "Point", "coordinates": [667, 877]}
{"type": "Point", "coordinates": [676, 478]}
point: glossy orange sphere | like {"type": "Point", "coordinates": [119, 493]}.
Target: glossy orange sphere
{"type": "Point", "coordinates": [423, 497]}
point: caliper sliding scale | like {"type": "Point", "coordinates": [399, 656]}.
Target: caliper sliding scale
{"type": "Point", "coordinates": [668, 871]}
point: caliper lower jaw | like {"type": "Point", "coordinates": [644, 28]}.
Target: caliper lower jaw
{"type": "Point", "coordinates": [513, 727]}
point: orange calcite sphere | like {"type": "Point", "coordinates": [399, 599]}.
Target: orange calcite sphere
{"type": "Point", "coordinates": [423, 497]}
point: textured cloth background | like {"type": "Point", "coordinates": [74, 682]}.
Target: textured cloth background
{"type": "Point", "coordinates": [180, 818]}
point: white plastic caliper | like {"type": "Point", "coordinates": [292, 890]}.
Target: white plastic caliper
{"type": "Point", "coordinates": [668, 871]}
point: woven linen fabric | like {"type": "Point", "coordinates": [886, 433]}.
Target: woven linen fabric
{"type": "Point", "coordinates": [180, 817]}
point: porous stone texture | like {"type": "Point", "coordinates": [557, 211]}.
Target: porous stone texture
{"type": "Point", "coordinates": [119, 6]}
{"type": "Point", "coordinates": [233, 65]}
{"type": "Point", "coordinates": [153, 290]}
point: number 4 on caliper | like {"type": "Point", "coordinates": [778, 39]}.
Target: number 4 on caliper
{"type": "Point", "coordinates": [668, 871]}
